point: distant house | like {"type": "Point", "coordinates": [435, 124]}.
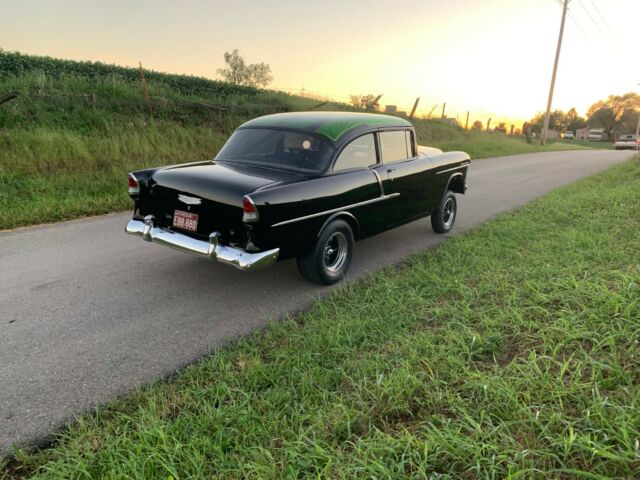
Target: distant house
{"type": "Point", "coordinates": [583, 133]}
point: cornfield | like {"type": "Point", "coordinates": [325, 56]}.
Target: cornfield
{"type": "Point", "coordinates": [13, 64]}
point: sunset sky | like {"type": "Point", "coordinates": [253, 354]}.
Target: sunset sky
{"type": "Point", "coordinates": [492, 57]}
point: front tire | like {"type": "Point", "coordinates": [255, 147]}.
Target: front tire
{"type": "Point", "coordinates": [331, 256]}
{"type": "Point", "coordinates": [444, 215]}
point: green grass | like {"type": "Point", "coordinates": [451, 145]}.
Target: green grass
{"type": "Point", "coordinates": [512, 351]}
{"type": "Point", "coordinates": [75, 130]}
{"type": "Point", "coordinates": [483, 144]}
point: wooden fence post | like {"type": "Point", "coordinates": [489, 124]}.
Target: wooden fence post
{"type": "Point", "coordinates": [373, 104]}
{"type": "Point", "coordinates": [415, 106]}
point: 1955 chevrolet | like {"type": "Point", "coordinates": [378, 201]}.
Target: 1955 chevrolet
{"type": "Point", "coordinates": [303, 185]}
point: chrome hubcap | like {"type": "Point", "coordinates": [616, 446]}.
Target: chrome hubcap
{"type": "Point", "coordinates": [449, 212]}
{"type": "Point", "coordinates": [335, 252]}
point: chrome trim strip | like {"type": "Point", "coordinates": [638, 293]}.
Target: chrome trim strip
{"type": "Point", "coordinates": [334, 210]}
{"type": "Point", "coordinates": [454, 168]}
{"type": "Point", "coordinates": [211, 250]}
{"type": "Point", "coordinates": [379, 182]}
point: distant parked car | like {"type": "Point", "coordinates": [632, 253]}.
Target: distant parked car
{"type": "Point", "coordinates": [628, 142]}
{"type": "Point", "coordinates": [597, 135]}
{"type": "Point", "coordinates": [299, 185]}
{"type": "Point", "coordinates": [569, 136]}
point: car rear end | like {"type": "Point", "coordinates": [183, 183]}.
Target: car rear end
{"type": "Point", "coordinates": [212, 226]}
{"type": "Point", "coordinates": [627, 142]}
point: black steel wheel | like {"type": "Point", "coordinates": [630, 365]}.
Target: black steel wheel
{"type": "Point", "coordinates": [444, 215]}
{"type": "Point", "coordinates": [330, 258]}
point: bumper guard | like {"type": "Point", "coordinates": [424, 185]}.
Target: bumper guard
{"type": "Point", "coordinates": [212, 249]}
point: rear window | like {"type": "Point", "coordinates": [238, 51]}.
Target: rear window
{"type": "Point", "coordinates": [282, 149]}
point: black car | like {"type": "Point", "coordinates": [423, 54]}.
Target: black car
{"type": "Point", "coordinates": [304, 185]}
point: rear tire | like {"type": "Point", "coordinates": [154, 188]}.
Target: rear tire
{"type": "Point", "coordinates": [331, 256]}
{"type": "Point", "coordinates": [444, 215]}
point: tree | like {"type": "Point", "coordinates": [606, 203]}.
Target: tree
{"type": "Point", "coordinates": [609, 113]}
{"type": "Point", "coordinates": [365, 102]}
{"type": "Point", "coordinates": [238, 72]}
{"type": "Point", "coordinates": [502, 128]}
{"type": "Point", "coordinates": [574, 121]}
{"type": "Point", "coordinates": [477, 125]}
{"type": "Point", "coordinates": [559, 121]}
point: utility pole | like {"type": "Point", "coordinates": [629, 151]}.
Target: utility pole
{"type": "Point", "coordinates": [466, 125]}
{"type": "Point", "coordinates": [545, 127]}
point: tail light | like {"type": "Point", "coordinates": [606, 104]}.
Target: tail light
{"type": "Point", "coordinates": [249, 211]}
{"type": "Point", "coordinates": [134, 185]}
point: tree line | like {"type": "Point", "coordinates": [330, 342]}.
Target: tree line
{"type": "Point", "coordinates": [617, 114]}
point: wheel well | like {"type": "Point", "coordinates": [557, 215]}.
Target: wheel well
{"type": "Point", "coordinates": [456, 183]}
{"type": "Point", "coordinates": [347, 217]}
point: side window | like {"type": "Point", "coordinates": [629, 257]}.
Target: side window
{"type": "Point", "coordinates": [361, 152]}
{"type": "Point", "coordinates": [393, 146]}
{"type": "Point", "coordinates": [410, 144]}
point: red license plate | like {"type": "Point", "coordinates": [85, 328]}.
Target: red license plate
{"type": "Point", "coordinates": [185, 220]}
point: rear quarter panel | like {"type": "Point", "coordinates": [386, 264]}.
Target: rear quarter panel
{"type": "Point", "coordinates": [310, 197]}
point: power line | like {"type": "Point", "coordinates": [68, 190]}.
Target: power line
{"type": "Point", "coordinates": [591, 17]}
{"type": "Point", "coordinates": [602, 17]}
{"type": "Point", "coordinates": [573, 19]}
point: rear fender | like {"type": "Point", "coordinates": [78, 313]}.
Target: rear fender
{"type": "Point", "coordinates": [347, 217]}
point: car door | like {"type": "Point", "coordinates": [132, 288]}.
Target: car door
{"type": "Point", "coordinates": [404, 174]}
{"type": "Point", "coordinates": [358, 157]}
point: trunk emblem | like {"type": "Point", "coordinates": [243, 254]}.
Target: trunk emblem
{"type": "Point", "coordinates": [189, 200]}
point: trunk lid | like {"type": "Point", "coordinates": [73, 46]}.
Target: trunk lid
{"type": "Point", "coordinates": [211, 190]}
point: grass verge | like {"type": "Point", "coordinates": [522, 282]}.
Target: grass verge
{"type": "Point", "coordinates": [48, 175]}
{"type": "Point", "coordinates": [512, 351]}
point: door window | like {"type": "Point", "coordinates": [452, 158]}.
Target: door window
{"type": "Point", "coordinates": [360, 153]}
{"type": "Point", "coordinates": [393, 146]}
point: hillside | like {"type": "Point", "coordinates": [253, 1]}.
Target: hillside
{"type": "Point", "coordinates": [76, 128]}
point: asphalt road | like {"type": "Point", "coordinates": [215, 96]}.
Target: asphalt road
{"type": "Point", "coordinates": [87, 313]}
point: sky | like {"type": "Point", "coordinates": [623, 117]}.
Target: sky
{"type": "Point", "coordinates": [491, 57]}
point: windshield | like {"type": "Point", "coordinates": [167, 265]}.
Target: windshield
{"type": "Point", "coordinates": [280, 149]}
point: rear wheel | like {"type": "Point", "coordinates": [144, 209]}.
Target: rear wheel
{"type": "Point", "coordinates": [444, 215]}
{"type": "Point", "coordinates": [330, 258]}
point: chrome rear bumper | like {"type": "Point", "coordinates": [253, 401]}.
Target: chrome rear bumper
{"type": "Point", "coordinates": [212, 249]}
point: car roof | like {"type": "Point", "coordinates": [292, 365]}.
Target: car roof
{"type": "Point", "coordinates": [332, 125]}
